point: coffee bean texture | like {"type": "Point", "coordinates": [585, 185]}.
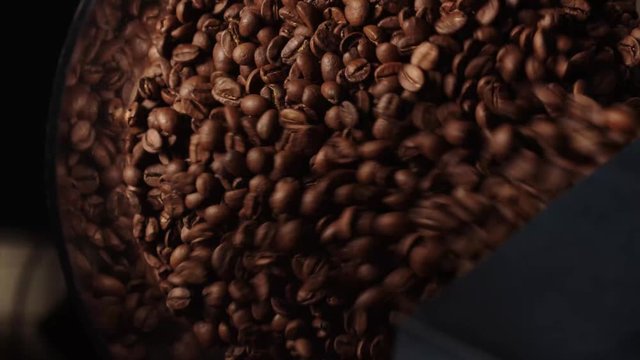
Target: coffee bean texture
{"type": "Point", "coordinates": [280, 178]}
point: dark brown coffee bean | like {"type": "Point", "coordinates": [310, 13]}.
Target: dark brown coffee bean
{"type": "Point", "coordinates": [285, 195]}
{"type": "Point", "coordinates": [259, 160]}
{"type": "Point", "coordinates": [243, 54]}
{"type": "Point", "coordinates": [387, 52]}
{"type": "Point", "coordinates": [541, 45]}
{"type": "Point", "coordinates": [423, 257]}
{"type": "Point", "coordinates": [345, 346]}
{"type": "Point", "coordinates": [411, 78]}
{"type": "Point", "coordinates": [105, 285]}
{"type": "Point", "coordinates": [205, 333]}
{"type": "Point", "coordinates": [254, 105]}
{"type": "Point", "coordinates": [178, 299]}
{"type": "Point", "coordinates": [629, 49]}
{"type": "Point", "coordinates": [488, 12]}
{"type": "Point", "coordinates": [215, 294]}
{"type": "Point", "coordinates": [240, 291]}
{"type": "Point", "coordinates": [292, 48]}
{"type": "Point", "coordinates": [330, 64]}
{"type": "Point", "coordinates": [179, 254]}
{"type": "Point", "coordinates": [580, 9]}
{"type": "Point", "coordinates": [451, 22]}
{"type": "Point", "coordinates": [289, 235]}
{"type": "Point", "coordinates": [272, 74]}
{"type": "Point", "coordinates": [226, 91]}
{"type": "Point", "coordinates": [388, 107]}
{"type": "Point", "coordinates": [399, 280]}
{"type": "Point", "coordinates": [185, 53]}
{"type": "Point", "coordinates": [509, 62]}
{"type": "Point", "coordinates": [357, 70]}
{"type": "Point", "coordinates": [303, 348]}
{"type": "Point", "coordinates": [425, 56]}
{"type": "Point", "coordinates": [356, 12]}
{"type": "Point", "coordinates": [85, 179]}
{"type": "Point", "coordinates": [534, 69]}
{"type": "Point", "coordinates": [391, 224]}
{"type": "Point", "coordinates": [152, 175]}
{"type": "Point", "coordinates": [621, 118]}
{"type": "Point", "coordinates": [188, 272]}
{"type": "Point", "coordinates": [249, 23]}
{"type": "Point", "coordinates": [267, 124]}
{"type": "Point", "coordinates": [216, 214]}
{"type": "Point", "coordinates": [457, 132]}
{"type": "Point", "coordinates": [163, 119]}
{"type": "Point", "coordinates": [293, 119]}
{"type": "Point", "coordinates": [331, 91]}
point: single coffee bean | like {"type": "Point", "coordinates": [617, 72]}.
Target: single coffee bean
{"type": "Point", "coordinates": [387, 52]}
{"type": "Point", "coordinates": [285, 195]}
{"type": "Point", "coordinates": [304, 348]}
{"type": "Point", "coordinates": [357, 70]}
{"type": "Point", "coordinates": [629, 49]}
{"type": "Point", "coordinates": [243, 54]}
{"type": "Point", "coordinates": [185, 53]}
{"type": "Point", "coordinates": [451, 22]}
{"type": "Point", "coordinates": [330, 64]}
{"type": "Point", "coordinates": [226, 91]}
{"type": "Point", "coordinates": [292, 48]}
{"type": "Point", "coordinates": [411, 78]}
{"type": "Point", "coordinates": [178, 298]}
{"type": "Point", "coordinates": [216, 214]}
{"type": "Point", "coordinates": [267, 124]}
{"type": "Point", "coordinates": [424, 256]}
{"type": "Point", "coordinates": [254, 105]}
{"type": "Point", "coordinates": [509, 62]}
{"type": "Point", "coordinates": [215, 294]}
{"type": "Point", "coordinates": [356, 12]}
{"type": "Point", "coordinates": [488, 12]}
{"type": "Point", "coordinates": [249, 23]}
{"type": "Point", "coordinates": [82, 135]}
{"type": "Point", "coordinates": [580, 9]}
{"type": "Point", "coordinates": [425, 56]}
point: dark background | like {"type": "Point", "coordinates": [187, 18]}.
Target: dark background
{"type": "Point", "coordinates": [32, 290]}
{"type": "Point", "coordinates": [33, 35]}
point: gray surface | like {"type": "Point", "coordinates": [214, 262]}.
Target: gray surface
{"type": "Point", "coordinates": [566, 287]}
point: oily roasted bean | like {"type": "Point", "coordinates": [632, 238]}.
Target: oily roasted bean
{"type": "Point", "coordinates": [411, 77]}
{"type": "Point", "coordinates": [293, 173]}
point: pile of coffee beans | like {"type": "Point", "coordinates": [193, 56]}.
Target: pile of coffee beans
{"type": "Point", "coordinates": [298, 172]}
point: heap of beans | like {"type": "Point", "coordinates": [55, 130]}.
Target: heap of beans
{"type": "Point", "coordinates": [301, 171]}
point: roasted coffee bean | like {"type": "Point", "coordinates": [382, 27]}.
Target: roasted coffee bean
{"type": "Point", "coordinates": [357, 70]}
{"type": "Point", "coordinates": [249, 23]}
{"type": "Point", "coordinates": [387, 52]}
{"type": "Point", "coordinates": [488, 12]}
{"type": "Point", "coordinates": [215, 294]}
{"type": "Point", "coordinates": [82, 135]}
{"type": "Point", "coordinates": [330, 65]}
{"type": "Point", "coordinates": [411, 78]}
{"type": "Point", "coordinates": [254, 105]}
{"type": "Point", "coordinates": [451, 22]}
{"type": "Point", "coordinates": [291, 174]}
{"type": "Point", "coordinates": [425, 56]}
{"type": "Point", "coordinates": [509, 62]}
{"type": "Point", "coordinates": [178, 299]}
{"type": "Point", "coordinates": [226, 91]}
{"type": "Point", "coordinates": [356, 12]}
{"type": "Point", "coordinates": [185, 53]}
{"type": "Point", "coordinates": [629, 49]}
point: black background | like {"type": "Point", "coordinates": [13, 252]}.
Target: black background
{"type": "Point", "coordinates": [33, 36]}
